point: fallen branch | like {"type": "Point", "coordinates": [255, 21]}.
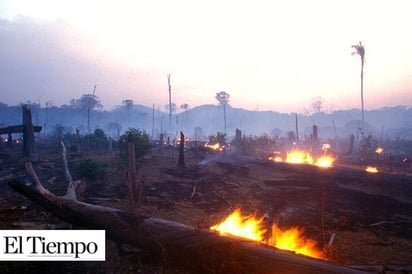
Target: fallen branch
{"type": "Point", "coordinates": [72, 185]}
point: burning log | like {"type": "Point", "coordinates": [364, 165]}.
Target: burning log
{"type": "Point", "coordinates": [177, 245]}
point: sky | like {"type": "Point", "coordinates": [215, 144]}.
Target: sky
{"type": "Point", "coordinates": [267, 55]}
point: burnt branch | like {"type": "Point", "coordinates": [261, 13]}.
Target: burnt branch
{"type": "Point", "coordinates": [72, 185]}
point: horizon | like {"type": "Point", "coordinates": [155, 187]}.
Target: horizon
{"type": "Point", "coordinates": [303, 112]}
{"type": "Point", "coordinates": [271, 56]}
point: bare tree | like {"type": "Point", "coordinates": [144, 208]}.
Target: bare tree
{"type": "Point", "coordinates": [184, 107]}
{"type": "Point", "coordinates": [360, 50]}
{"type": "Point", "coordinates": [223, 98]}
{"type": "Point", "coordinates": [317, 104]}
{"type": "Point", "coordinates": [171, 107]}
{"type": "Point", "coordinates": [128, 103]}
{"type": "Point", "coordinates": [170, 99]}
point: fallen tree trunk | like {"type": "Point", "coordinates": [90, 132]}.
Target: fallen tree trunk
{"type": "Point", "coordinates": [176, 245]}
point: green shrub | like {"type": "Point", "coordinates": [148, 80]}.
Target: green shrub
{"type": "Point", "coordinates": [90, 169]}
{"type": "Point", "coordinates": [141, 142]}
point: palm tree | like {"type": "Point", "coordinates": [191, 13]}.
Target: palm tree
{"type": "Point", "coordinates": [360, 50]}
{"type": "Point", "coordinates": [223, 98]}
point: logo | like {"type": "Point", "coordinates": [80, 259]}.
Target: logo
{"type": "Point", "coordinates": [52, 245]}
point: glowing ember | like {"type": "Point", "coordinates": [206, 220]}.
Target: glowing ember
{"type": "Point", "coordinates": [371, 169]}
{"type": "Point", "coordinates": [325, 147]}
{"type": "Point", "coordinates": [215, 146]}
{"type": "Point", "coordinates": [379, 150]}
{"type": "Point", "coordinates": [251, 228]}
{"type": "Point", "coordinates": [325, 161]}
{"type": "Point", "coordinates": [276, 158]}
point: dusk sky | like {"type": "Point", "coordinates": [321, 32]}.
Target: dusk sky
{"type": "Point", "coordinates": [268, 55]}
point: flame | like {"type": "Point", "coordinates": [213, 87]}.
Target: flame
{"type": "Point", "coordinates": [371, 169]}
{"type": "Point", "coordinates": [215, 146]}
{"type": "Point", "coordinates": [292, 239]}
{"type": "Point", "coordinates": [251, 228]}
{"type": "Point", "coordinates": [299, 157]}
{"type": "Point", "coordinates": [246, 227]}
{"type": "Point", "coordinates": [325, 147]}
{"type": "Point", "coordinates": [302, 157]}
{"type": "Point", "coordinates": [379, 150]}
{"type": "Point", "coordinates": [276, 158]}
{"type": "Point", "coordinates": [325, 161]}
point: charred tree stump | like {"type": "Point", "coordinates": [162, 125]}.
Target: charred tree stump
{"type": "Point", "coordinates": [181, 161]}
{"type": "Point", "coordinates": [9, 139]}
{"type": "Point", "coordinates": [135, 186]}
{"type": "Point", "coordinates": [29, 146]}
{"type": "Point", "coordinates": [238, 137]}
{"type": "Point", "coordinates": [351, 144]}
{"type": "Point", "coordinates": [131, 171]}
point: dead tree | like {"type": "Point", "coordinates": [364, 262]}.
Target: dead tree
{"type": "Point", "coordinates": [135, 186]}
{"type": "Point", "coordinates": [28, 130]}
{"type": "Point", "coordinates": [181, 161]}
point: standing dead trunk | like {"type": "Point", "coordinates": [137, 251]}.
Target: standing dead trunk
{"type": "Point", "coordinates": [10, 139]}
{"type": "Point", "coordinates": [181, 162]}
{"type": "Point", "coordinates": [351, 144]}
{"type": "Point", "coordinates": [29, 147]}
{"type": "Point", "coordinates": [131, 171]}
{"type": "Point", "coordinates": [135, 186]}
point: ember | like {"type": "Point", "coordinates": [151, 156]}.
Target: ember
{"type": "Point", "coordinates": [371, 169]}
{"type": "Point", "coordinates": [215, 146]}
{"type": "Point", "coordinates": [250, 227]}
{"type": "Point", "coordinates": [379, 150]}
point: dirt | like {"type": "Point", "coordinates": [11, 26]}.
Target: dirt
{"type": "Point", "coordinates": [370, 215]}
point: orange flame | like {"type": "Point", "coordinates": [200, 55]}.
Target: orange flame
{"type": "Point", "coordinates": [252, 228]}
{"type": "Point", "coordinates": [371, 169]}
{"type": "Point", "coordinates": [243, 226]}
{"type": "Point", "coordinates": [302, 157]}
{"type": "Point", "coordinates": [215, 146]}
{"type": "Point", "coordinates": [276, 158]}
{"type": "Point", "coordinates": [379, 150]}
{"type": "Point", "coordinates": [299, 157]}
{"type": "Point", "coordinates": [292, 239]}
{"type": "Point", "coordinates": [325, 161]}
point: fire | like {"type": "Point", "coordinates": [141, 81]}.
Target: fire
{"type": "Point", "coordinates": [371, 169]}
{"type": "Point", "coordinates": [251, 228]}
{"type": "Point", "coordinates": [246, 227]}
{"type": "Point", "coordinates": [325, 147]}
{"type": "Point", "coordinates": [215, 146]}
{"type": "Point", "coordinates": [379, 150]}
{"type": "Point", "coordinates": [325, 161]}
{"type": "Point", "coordinates": [276, 158]}
{"type": "Point", "coordinates": [299, 157]}
{"type": "Point", "coordinates": [292, 239]}
{"type": "Point", "coordinates": [302, 157]}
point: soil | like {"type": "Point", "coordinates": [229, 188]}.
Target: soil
{"type": "Point", "coordinates": [369, 215]}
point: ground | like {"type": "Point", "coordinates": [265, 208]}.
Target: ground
{"type": "Point", "coordinates": [370, 215]}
